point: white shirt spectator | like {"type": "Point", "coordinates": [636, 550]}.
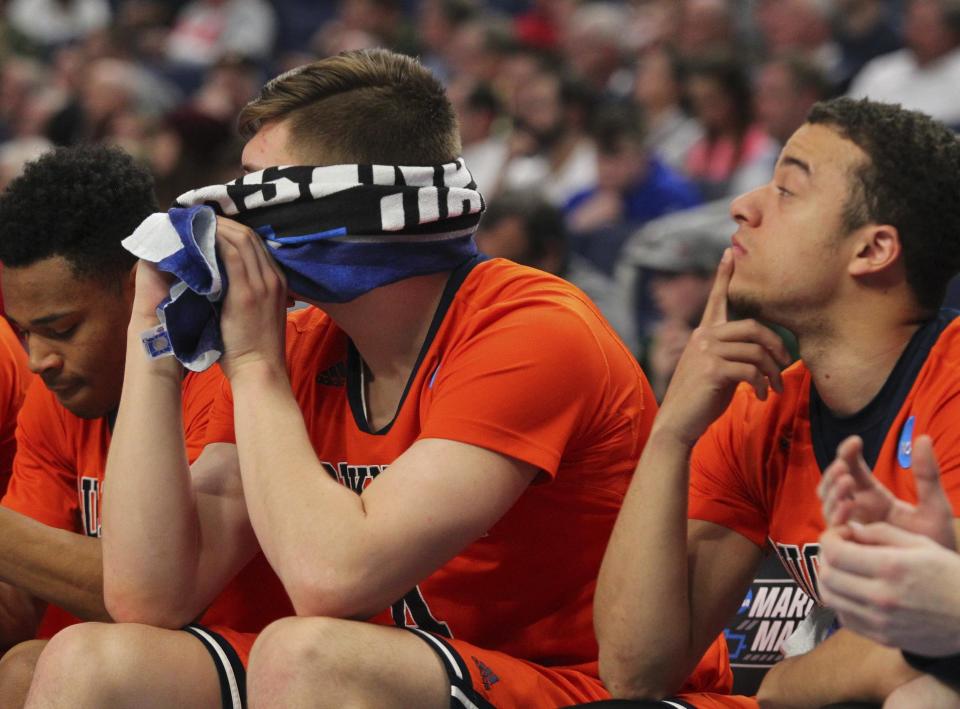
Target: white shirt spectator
{"type": "Point", "coordinates": [577, 173]}
{"type": "Point", "coordinates": [49, 22]}
{"type": "Point", "coordinates": [205, 31]}
{"type": "Point", "coordinates": [897, 78]}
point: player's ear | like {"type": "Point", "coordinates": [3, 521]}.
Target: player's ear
{"type": "Point", "coordinates": [878, 249]}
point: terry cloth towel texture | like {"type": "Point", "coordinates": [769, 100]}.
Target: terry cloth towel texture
{"type": "Point", "coordinates": [337, 231]}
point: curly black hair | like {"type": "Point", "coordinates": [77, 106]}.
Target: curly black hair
{"type": "Point", "coordinates": [78, 203]}
{"type": "Point", "coordinates": [911, 182]}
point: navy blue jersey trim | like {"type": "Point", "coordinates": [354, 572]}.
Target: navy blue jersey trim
{"type": "Point", "coordinates": [228, 665]}
{"type": "Point", "coordinates": [462, 693]}
{"type": "Point", "coordinates": [355, 362]}
{"type": "Point", "coordinates": [873, 422]}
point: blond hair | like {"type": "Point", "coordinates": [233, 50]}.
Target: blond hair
{"type": "Point", "coordinates": [368, 106]}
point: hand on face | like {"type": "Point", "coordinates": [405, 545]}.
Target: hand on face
{"type": "Point", "coordinates": [254, 312]}
{"type": "Point", "coordinates": [720, 355]}
{"type": "Point", "coordinates": [850, 492]}
{"type": "Point", "coordinates": [894, 587]}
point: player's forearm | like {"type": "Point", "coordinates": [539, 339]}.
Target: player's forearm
{"type": "Point", "coordinates": [314, 531]}
{"type": "Point", "coordinates": [150, 526]}
{"type": "Point", "coordinates": [844, 668]}
{"type": "Point", "coordinates": [57, 566]}
{"type": "Point", "coordinates": [19, 616]}
{"type": "Point", "coordinates": [644, 579]}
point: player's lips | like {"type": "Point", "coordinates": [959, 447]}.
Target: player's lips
{"type": "Point", "coordinates": [738, 249]}
{"type": "Point", "coordinates": [63, 389]}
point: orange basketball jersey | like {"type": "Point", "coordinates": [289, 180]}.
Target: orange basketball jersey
{"type": "Point", "coordinates": [58, 478]}
{"type": "Point", "coordinates": [518, 362]}
{"type": "Point", "coordinates": [756, 470]}
{"type": "Point", "coordinates": [15, 378]}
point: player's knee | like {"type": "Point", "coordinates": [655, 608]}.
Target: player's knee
{"type": "Point", "coordinates": [63, 668]}
{"type": "Point", "coordinates": [16, 672]}
{"type": "Point", "coordinates": [69, 665]}
{"type": "Point", "coordinates": [293, 651]}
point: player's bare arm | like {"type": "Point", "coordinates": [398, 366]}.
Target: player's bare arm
{"type": "Point", "coordinates": [41, 564]}
{"type": "Point", "coordinates": [827, 674]}
{"type": "Point", "coordinates": [641, 582]}
{"type": "Point", "coordinates": [337, 553]}
{"type": "Point", "coordinates": [173, 537]}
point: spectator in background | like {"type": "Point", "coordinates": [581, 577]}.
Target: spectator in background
{"type": "Point", "coordinates": [800, 27]}
{"type": "Point", "coordinates": [383, 19]}
{"type": "Point", "coordinates": [21, 80]}
{"type": "Point", "coordinates": [527, 229]}
{"type": "Point", "coordinates": [15, 154]}
{"type": "Point", "coordinates": [923, 76]}
{"type": "Point", "coordinates": [863, 29]}
{"type": "Point", "coordinates": [542, 25]}
{"type": "Point", "coordinates": [785, 90]}
{"type": "Point", "coordinates": [632, 188]}
{"type": "Point", "coordinates": [550, 148]}
{"type": "Point", "coordinates": [722, 100]}
{"type": "Point", "coordinates": [478, 47]}
{"type": "Point", "coordinates": [478, 109]}
{"type": "Point", "coordinates": [658, 90]}
{"type": "Point", "coordinates": [594, 50]}
{"type": "Point", "coordinates": [706, 28]}
{"type": "Point", "coordinates": [204, 31]}
{"type": "Point", "coordinates": [437, 20]}
{"type": "Point", "coordinates": [107, 90]}
{"type": "Point", "coordinates": [51, 23]}
{"type": "Point", "coordinates": [679, 269]}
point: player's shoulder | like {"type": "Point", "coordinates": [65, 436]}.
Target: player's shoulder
{"type": "Point", "coordinates": [43, 412]}
{"type": "Point", "coordinates": [946, 349]}
{"type": "Point", "coordinates": [538, 308]}
{"type": "Point", "coordinates": [940, 375]}
{"type": "Point", "coordinates": [499, 287]}
{"type": "Point", "coordinates": [16, 362]}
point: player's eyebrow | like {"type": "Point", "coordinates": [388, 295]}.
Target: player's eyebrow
{"type": "Point", "coordinates": [790, 161]}
{"type": "Point", "coordinates": [45, 320]}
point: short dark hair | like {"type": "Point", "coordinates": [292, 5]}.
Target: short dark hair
{"type": "Point", "coordinates": [543, 224]}
{"type": "Point", "coordinates": [911, 181]}
{"type": "Point", "coordinates": [616, 125]}
{"type": "Point", "coordinates": [805, 74]}
{"type": "Point", "coordinates": [78, 203]}
{"type": "Point", "coordinates": [731, 75]}
{"type": "Point", "coordinates": [367, 106]}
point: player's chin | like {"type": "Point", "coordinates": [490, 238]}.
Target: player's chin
{"type": "Point", "coordinates": [81, 402]}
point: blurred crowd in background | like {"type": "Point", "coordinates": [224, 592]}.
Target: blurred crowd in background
{"type": "Point", "coordinates": [607, 137]}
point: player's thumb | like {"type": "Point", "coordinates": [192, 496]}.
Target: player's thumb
{"type": "Point", "coordinates": [884, 534]}
{"type": "Point", "coordinates": [926, 474]}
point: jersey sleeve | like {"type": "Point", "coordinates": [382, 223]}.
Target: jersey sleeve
{"type": "Point", "coordinates": [522, 385]}
{"type": "Point", "coordinates": [14, 379]}
{"type": "Point", "coordinates": [943, 429]}
{"type": "Point", "coordinates": [720, 491]}
{"type": "Point", "coordinates": [200, 392]}
{"type": "Point", "coordinates": [43, 485]}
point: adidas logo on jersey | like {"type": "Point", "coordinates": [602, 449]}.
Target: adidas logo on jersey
{"type": "Point", "coordinates": [487, 675]}
{"type": "Point", "coordinates": [335, 376]}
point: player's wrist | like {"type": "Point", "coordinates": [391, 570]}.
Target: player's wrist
{"type": "Point", "coordinates": [668, 436]}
